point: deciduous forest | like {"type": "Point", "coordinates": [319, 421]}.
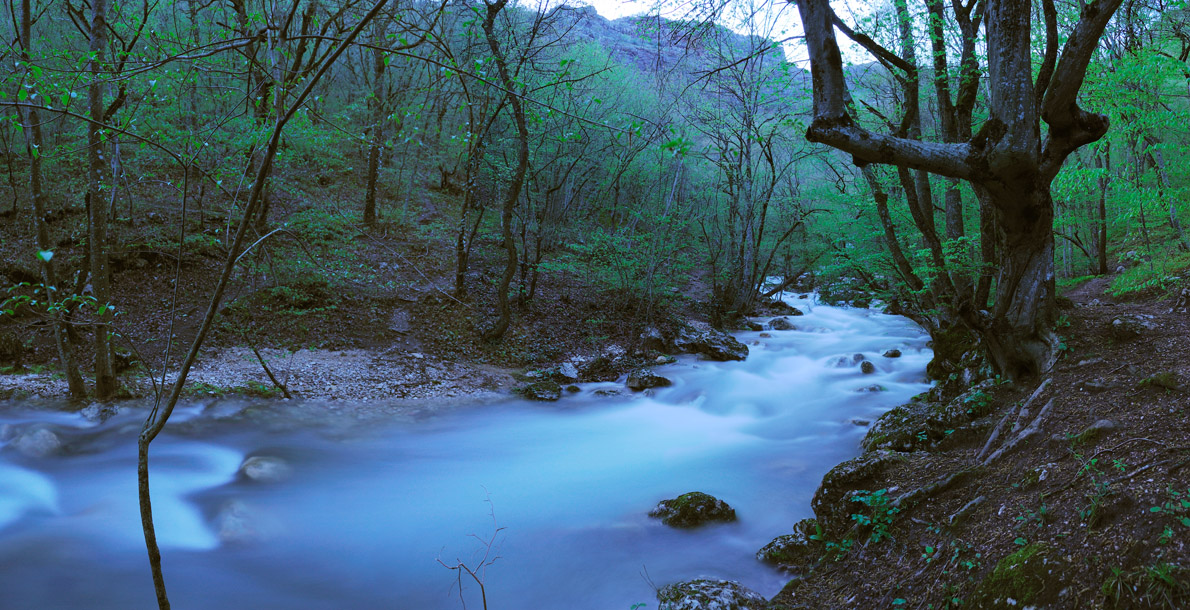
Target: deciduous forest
{"type": "Point", "coordinates": [249, 239]}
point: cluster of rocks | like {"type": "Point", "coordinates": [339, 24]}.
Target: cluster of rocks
{"type": "Point", "coordinates": [655, 348]}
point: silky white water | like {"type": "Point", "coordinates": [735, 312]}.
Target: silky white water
{"type": "Point", "coordinates": [374, 502]}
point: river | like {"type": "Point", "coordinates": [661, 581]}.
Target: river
{"type": "Point", "coordinates": [375, 501]}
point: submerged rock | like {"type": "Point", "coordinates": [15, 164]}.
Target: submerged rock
{"type": "Point", "coordinates": [643, 379]}
{"type": "Point", "coordinates": [37, 443]}
{"type": "Point", "coordinates": [704, 594]}
{"type": "Point", "coordinates": [241, 523]}
{"type": "Point", "coordinates": [693, 509]}
{"type": "Point", "coordinates": [265, 469]}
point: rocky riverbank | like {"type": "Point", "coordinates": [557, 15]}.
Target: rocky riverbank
{"type": "Point", "coordinates": [1072, 493]}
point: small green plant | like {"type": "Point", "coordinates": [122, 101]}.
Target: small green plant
{"type": "Point", "coordinates": [879, 515]}
{"type": "Point", "coordinates": [1177, 505]}
{"type": "Point", "coordinates": [978, 404]}
{"type": "Point", "coordinates": [1161, 585]}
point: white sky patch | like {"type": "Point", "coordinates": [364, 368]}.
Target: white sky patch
{"type": "Point", "coordinates": [773, 19]}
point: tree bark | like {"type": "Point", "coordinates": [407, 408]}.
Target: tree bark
{"type": "Point", "coordinates": [97, 213]}
{"type": "Point", "coordinates": [1007, 161]}
{"type": "Point", "coordinates": [376, 142]}
{"type": "Point", "coordinates": [34, 145]}
{"type": "Point", "coordinates": [503, 310]}
{"type": "Point", "coordinates": [1020, 340]}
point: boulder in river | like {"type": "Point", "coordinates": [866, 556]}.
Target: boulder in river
{"type": "Point", "coordinates": [892, 353]}
{"type": "Point", "coordinates": [781, 324]}
{"type": "Point", "coordinates": [240, 523]}
{"type": "Point", "coordinates": [265, 469]}
{"type": "Point", "coordinates": [705, 594]}
{"type": "Point", "coordinates": [37, 443]}
{"type": "Point", "coordinates": [693, 509]}
{"type": "Point", "coordinates": [543, 390]}
{"type": "Point", "coordinates": [99, 413]}
{"type": "Point", "coordinates": [643, 379]}
{"type": "Point", "coordinates": [867, 367]}
{"type": "Point", "coordinates": [714, 344]}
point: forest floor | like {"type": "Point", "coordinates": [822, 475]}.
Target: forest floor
{"type": "Point", "coordinates": [1091, 511]}
{"type": "Point", "coordinates": [335, 310]}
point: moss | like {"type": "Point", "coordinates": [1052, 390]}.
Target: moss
{"type": "Point", "coordinates": [1027, 577]}
{"type": "Point", "coordinates": [1166, 380]}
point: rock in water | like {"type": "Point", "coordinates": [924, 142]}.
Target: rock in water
{"type": "Point", "coordinates": [796, 551]}
{"type": "Point", "coordinates": [782, 324]}
{"type": "Point", "coordinates": [37, 443]}
{"type": "Point", "coordinates": [265, 469]}
{"type": "Point", "coordinates": [693, 509]}
{"type": "Point", "coordinates": [713, 344]}
{"type": "Point", "coordinates": [705, 594]}
{"type": "Point", "coordinates": [867, 367]}
{"type": "Point", "coordinates": [543, 390]}
{"type": "Point", "coordinates": [892, 353]}
{"type": "Point", "coordinates": [643, 379]}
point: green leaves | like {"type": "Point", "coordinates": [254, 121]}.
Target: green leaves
{"type": "Point", "coordinates": [45, 255]}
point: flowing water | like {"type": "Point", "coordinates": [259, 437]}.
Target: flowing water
{"type": "Point", "coordinates": [378, 496]}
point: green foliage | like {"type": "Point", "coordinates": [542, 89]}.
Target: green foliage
{"type": "Point", "coordinates": [1153, 278]}
{"type": "Point", "coordinates": [877, 516]}
{"type": "Point", "coordinates": [643, 267]}
{"type": "Point", "coordinates": [1160, 585]}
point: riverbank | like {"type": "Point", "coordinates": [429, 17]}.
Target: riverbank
{"type": "Point", "coordinates": [1071, 494]}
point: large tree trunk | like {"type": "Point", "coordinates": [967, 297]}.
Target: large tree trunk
{"type": "Point", "coordinates": [97, 213]}
{"type": "Point", "coordinates": [1020, 338]}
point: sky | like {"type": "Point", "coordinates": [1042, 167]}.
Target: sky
{"type": "Point", "coordinates": [785, 24]}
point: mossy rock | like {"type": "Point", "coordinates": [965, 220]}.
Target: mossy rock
{"type": "Point", "coordinates": [706, 594]}
{"type": "Point", "coordinates": [543, 390]}
{"type": "Point", "coordinates": [1032, 576]}
{"type": "Point", "coordinates": [922, 424]}
{"type": "Point", "coordinates": [692, 510]}
{"type": "Point", "coordinates": [796, 551]}
{"type": "Point", "coordinates": [830, 502]}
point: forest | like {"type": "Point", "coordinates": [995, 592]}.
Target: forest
{"type": "Point", "coordinates": [420, 200]}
